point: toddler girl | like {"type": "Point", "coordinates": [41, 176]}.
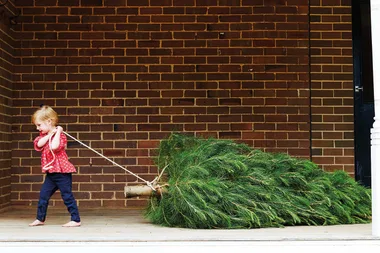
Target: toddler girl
{"type": "Point", "coordinates": [54, 161]}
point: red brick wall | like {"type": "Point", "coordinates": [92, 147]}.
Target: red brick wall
{"type": "Point", "coordinates": [7, 61]}
{"type": "Point", "coordinates": [332, 85]}
{"type": "Point", "coordinates": [125, 74]}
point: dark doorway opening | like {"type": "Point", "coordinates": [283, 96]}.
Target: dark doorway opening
{"type": "Point", "coordinates": [363, 89]}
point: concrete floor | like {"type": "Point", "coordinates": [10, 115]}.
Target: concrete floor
{"type": "Point", "coordinates": [127, 225]}
{"type": "Point", "coordinates": [126, 230]}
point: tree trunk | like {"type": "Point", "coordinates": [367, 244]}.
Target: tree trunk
{"type": "Point", "coordinates": [131, 191]}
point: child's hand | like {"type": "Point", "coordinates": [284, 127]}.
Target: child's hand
{"type": "Point", "coordinates": [59, 129]}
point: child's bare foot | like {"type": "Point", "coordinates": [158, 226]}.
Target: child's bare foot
{"type": "Point", "coordinates": [36, 223]}
{"type": "Point", "coordinates": [71, 224]}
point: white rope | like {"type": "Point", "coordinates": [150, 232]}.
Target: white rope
{"type": "Point", "coordinates": [145, 181]}
{"type": "Point", "coordinates": [162, 172]}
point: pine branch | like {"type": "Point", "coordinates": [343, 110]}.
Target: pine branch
{"type": "Point", "coordinates": [222, 184]}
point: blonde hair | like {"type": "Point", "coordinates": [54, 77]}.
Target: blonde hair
{"type": "Point", "coordinates": [45, 113]}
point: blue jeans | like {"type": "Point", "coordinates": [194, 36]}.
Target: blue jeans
{"type": "Point", "coordinates": [53, 182]}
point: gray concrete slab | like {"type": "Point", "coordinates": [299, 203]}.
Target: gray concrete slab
{"type": "Point", "coordinates": [175, 247]}
{"type": "Point", "coordinates": [129, 226]}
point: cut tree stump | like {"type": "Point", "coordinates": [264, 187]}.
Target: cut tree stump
{"type": "Point", "coordinates": [131, 191]}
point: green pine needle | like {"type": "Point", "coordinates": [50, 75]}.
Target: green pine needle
{"type": "Point", "coordinates": [222, 184]}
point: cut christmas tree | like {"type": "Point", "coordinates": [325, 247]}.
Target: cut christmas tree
{"type": "Point", "coordinates": [211, 183]}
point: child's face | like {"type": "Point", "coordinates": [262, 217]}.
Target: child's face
{"type": "Point", "coordinates": [44, 126]}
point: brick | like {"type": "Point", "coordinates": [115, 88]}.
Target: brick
{"type": "Point", "coordinates": [182, 65]}
{"type": "Point", "coordinates": [151, 10]}
{"type": "Point", "coordinates": [137, 2]}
